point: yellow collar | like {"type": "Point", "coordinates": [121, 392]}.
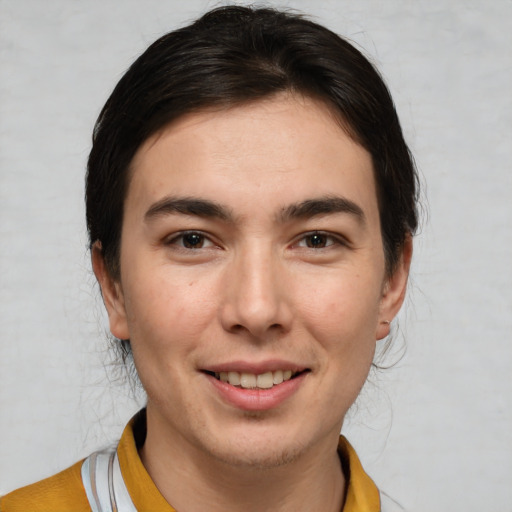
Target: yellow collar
{"type": "Point", "coordinates": [361, 496]}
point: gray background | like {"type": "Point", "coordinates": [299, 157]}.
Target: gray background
{"type": "Point", "coordinates": [435, 431]}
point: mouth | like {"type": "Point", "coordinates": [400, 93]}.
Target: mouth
{"type": "Point", "coordinates": [265, 380]}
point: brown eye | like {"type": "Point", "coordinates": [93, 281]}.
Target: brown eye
{"type": "Point", "coordinates": [193, 240]}
{"type": "Point", "coordinates": [317, 241]}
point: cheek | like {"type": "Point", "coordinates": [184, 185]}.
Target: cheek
{"type": "Point", "coordinates": [168, 312]}
{"type": "Point", "coordinates": [341, 316]}
{"type": "Point", "coordinates": [167, 319]}
{"type": "Point", "coordinates": [339, 308]}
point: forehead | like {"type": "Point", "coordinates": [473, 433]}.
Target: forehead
{"type": "Point", "coordinates": [275, 151]}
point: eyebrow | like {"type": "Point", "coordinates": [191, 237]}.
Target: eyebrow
{"type": "Point", "coordinates": [322, 206]}
{"type": "Point", "coordinates": [206, 208]}
{"type": "Point", "coordinates": [188, 206]}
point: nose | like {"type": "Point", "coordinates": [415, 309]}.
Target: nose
{"type": "Point", "coordinates": [256, 299]}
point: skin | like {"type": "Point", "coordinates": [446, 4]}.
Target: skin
{"type": "Point", "coordinates": [264, 282]}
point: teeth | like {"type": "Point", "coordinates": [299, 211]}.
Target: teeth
{"type": "Point", "coordinates": [278, 377]}
{"type": "Point", "coordinates": [250, 381]}
{"type": "Point", "coordinates": [265, 380]}
{"type": "Point", "coordinates": [233, 378]}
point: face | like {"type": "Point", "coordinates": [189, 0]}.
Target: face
{"type": "Point", "coordinates": [253, 285]}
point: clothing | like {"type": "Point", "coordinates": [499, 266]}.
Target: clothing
{"type": "Point", "coordinates": [65, 491]}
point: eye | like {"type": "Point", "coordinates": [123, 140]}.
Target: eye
{"type": "Point", "coordinates": [318, 240]}
{"type": "Point", "coordinates": [191, 240]}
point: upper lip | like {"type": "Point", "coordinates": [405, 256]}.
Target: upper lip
{"type": "Point", "coordinates": [256, 368]}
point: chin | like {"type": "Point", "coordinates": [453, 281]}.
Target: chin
{"type": "Point", "coordinates": [259, 458]}
{"type": "Point", "coordinates": [257, 450]}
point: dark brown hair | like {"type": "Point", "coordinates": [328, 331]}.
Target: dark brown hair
{"type": "Point", "coordinates": [230, 56]}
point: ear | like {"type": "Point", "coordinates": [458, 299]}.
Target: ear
{"type": "Point", "coordinates": [393, 292]}
{"type": "Point", "coordinates": [112, 294]}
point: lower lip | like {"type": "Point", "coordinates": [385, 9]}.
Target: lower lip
{"type": "Point", "coordinates": [257, 399]}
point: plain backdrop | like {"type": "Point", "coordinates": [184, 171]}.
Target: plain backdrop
{"type": "Point", "coordinates": [435, 431]}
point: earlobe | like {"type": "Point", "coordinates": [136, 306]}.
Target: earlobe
{"type": "Point", "coordinates": [383, 329]}
{"type": "Point", "coordinates": [393, 293]}
{"type": "Point", "coordinates": [112, 294]}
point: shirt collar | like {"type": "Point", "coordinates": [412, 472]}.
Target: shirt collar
{"type": "Point", "coordinates": [361, 493]}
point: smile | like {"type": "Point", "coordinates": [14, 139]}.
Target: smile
{"type": "Point", "coordinates": [265, 380]}
{"type": "Point", "coordinates": [261, 389]}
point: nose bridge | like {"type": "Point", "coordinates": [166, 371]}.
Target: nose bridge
{"type": "Point", "coordinates": [255, 298]}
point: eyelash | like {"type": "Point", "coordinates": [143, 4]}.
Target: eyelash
{"type": "Point", "coordinates": [181, 237]}
{"type": "Point", "coordinates": [328, 239]}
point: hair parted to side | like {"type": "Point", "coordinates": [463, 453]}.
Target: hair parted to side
{"type": "Point", "coordinates": [230, 56]}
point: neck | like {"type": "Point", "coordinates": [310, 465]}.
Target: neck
{"type": "Point", "coordinates": [190, 479]}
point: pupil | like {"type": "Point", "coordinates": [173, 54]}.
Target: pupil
{"type": "Point", "coordinates": [316, 240]}
{"type": "Point", "coordinates": [192, 240]}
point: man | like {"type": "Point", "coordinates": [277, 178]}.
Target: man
{"type": "Point", "coordinates": [250, 206]}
